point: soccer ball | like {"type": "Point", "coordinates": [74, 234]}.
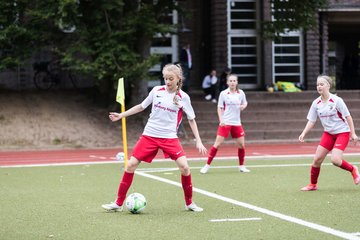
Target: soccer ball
{"type": "Point", "coordinates": [135, 203]}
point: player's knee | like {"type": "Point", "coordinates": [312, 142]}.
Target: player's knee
{"type": "Point", "coordinates": [335, 160]}
{"type": "Point", "coordinates": [318, 161]}
{"type": "Point", "coordinates": [185, 170]}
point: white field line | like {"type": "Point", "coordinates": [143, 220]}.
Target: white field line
{"type": "Point", "coordinates": [265, 157]}
{"type": "Point", "coordinates": [160, 169]}
{"type": "Point", "coordinates": [234, 219]}
{"type": "Point", "coordinates": [284, 217]}
{"type": "Point", "coordinates": [153, 170]}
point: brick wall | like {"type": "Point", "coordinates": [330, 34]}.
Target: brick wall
{"type": "Point", "coordinates": [219, 34]}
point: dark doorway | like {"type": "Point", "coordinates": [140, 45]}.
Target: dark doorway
{"type": "Point", "coordinates": [344, 50]}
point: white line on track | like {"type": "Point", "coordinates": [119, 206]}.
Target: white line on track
{"type": "Point", "coordinates": [284, 217]}
{"type": "Point", "coordinates": [234, 219]}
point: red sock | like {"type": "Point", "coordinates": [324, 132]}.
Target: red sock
{"type": "Point", "coordinates": [212, 154]}
{"type": "Point", "coordinates": [346, 166]}
{"type": "Point", "coordinates": [187, 187]}
{"type": "Point", "coordinates": [124, 187]}
{"type": "Point", "coordinates": [314, 174]}
{"type": "Point", "coordinates": [241, 155]}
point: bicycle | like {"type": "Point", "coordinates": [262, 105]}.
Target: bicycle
{"type": "Point", "coordinates": [49, 74]}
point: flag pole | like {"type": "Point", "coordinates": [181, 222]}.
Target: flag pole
{"type": "Point", "coordinates": [120, 98]}
{"type": "Point", "coordinates": [123, 122]}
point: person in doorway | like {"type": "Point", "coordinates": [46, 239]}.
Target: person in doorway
{"type": "Point", "coordinates": [168, 103]}
{"type": "Point", "coordinates": [209, 86]}
{"type": "Point", "coordinates": [186, 64]}
{"type": "Point", "coordinates": [338, 130]}
{"type": "Point", "coordinates": [231, 102]}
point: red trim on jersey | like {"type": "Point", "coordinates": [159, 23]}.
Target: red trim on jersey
{"type": "Point", "coordinates": [179, 117]}
{"type": "Point", "coordinates": [179, 94]}
{"type": "Point", "coordinates": [330, 100]}
{"type": "Point", "coordinates": [340, 115]}
{"type": "Point", "coordinates": [318, 102]}
{"type": "Point", "coordinates": [162, 89]}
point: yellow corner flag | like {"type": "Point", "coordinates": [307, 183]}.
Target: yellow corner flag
{"type": "Point", "coordinates": [120, 95]}
{"type": "Point", "coordinates": [120, 98]}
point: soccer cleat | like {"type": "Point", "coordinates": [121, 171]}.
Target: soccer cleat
{"type": "Point", "coordinates": [310, 187]}
{"type": "Point", "coordinates": [193, 207]}
{"type": "Point", "coordinates": [208, 97]}
{"type": "Point", "coordinates": [243, 169]}
{"type": "Point", "coordinates": [112, 207]}
{"type": "Point", "coordinates": [355, 174]}
{"type": "Point", "coordinates": [205, 169]}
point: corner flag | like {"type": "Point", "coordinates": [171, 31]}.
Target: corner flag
{"type": "Point", "coordinates": [120, 95]}
{"type": "Point", "coordinates": [120, 98]}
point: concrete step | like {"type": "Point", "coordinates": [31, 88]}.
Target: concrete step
{"type": "Point", "coordinates": [271, 116]}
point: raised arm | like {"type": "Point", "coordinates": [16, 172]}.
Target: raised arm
{"type": "Point", "coordinates": [114, 116]}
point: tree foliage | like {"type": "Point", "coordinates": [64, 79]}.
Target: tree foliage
{"type": "Point", "coordinates": [105, 39]}
{"type": "Point", "coordinates": [290, 15]}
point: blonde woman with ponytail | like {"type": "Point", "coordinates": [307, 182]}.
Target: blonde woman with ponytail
{"type": "Point", "coordinates": [168, 104]}
{"type": "Point", "coordinates": [338, 130]}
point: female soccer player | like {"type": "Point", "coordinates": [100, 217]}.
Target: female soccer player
{"type": "Point", "coordinates": [231, 102]}
{"type": "Point", "coordinates": [169, 102]}
{"type": "Point", "coordinates": [338, 130]}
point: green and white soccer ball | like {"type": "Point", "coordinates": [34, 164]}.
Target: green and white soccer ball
{"type": "Point", "coordinates": [135, 202]}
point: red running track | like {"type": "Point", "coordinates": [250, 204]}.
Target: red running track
{"type": "Point", "coordinates": [13, 158]}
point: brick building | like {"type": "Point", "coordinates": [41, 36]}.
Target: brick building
{"type": "Point", "coordinates": [226, 33]}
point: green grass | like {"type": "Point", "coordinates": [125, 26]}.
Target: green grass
{"type": "Point", "coordinates": [63, 202]}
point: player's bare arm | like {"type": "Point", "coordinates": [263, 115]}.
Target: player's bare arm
{"type": "Point", "coordinates": [114, 116]}
{"type": "Point", "coordinates": [308, 127]}
{"type": "Point", "coordinates": [199, 144]}
{"type": "Point", "coordinates": [243, 106]}
{"type": "Point", "coordinates": [353, 135]}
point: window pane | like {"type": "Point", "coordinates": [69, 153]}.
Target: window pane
{"type": "Point", "coordinates": [246, 70]}
{"type": "Point", "coordinates": [243, 40]}
{"type": "Point", "coordinates": [288, 40]}
{"type": "Point", "coordinates": [243, 15]}
{"type": "Point", "coordinates": [287, 50]}
{"type": "Point", "coordinates": [287, 69]}
{"type": "Point", "coordinates": [243, 60]}
{"type": "Point", "coordinates": [285, 59]}
{"type": "Point", "coordinates": [243, 5]}
{"type": "Point", "coordinates": [287, 78]}
{"type": "Point", "coordinates": [243, 50]}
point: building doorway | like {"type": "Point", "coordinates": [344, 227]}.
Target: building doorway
{"type": "Point", "coordinates": [344, 49]}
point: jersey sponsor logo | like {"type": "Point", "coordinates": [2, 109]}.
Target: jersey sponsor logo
{"type": "Point", "coordinates": [159, 96]}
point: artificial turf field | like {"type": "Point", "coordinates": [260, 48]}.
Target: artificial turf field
{"type": "Point", "coordinates": [64, 202]}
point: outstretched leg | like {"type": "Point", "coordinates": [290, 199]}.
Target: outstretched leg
{"type": "Point", "coordinates": [337, 160]}
{"type": "Point", "coordinates": [124, 186]}
{"type": "Point", "coordinates": [212, 153]}
{"type": "Point", "coordinates": [319, 157]}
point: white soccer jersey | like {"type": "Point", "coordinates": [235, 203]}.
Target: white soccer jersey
{"type": "Point", "coordinates": [231, 102]}
{"type": "Point", "coordinates": [332, 114]}
{"type": "Point", "coordinates": [165, 116]}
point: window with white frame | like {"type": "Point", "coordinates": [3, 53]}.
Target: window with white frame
{"type": "Point", "coordinates": [243, 41]}
{"type": "Point", "coordinates": [287, 49]}
{"type": "Point", "coordinates": [288, 58]}
{"type": "Point", "coordinates": [167, 47]}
